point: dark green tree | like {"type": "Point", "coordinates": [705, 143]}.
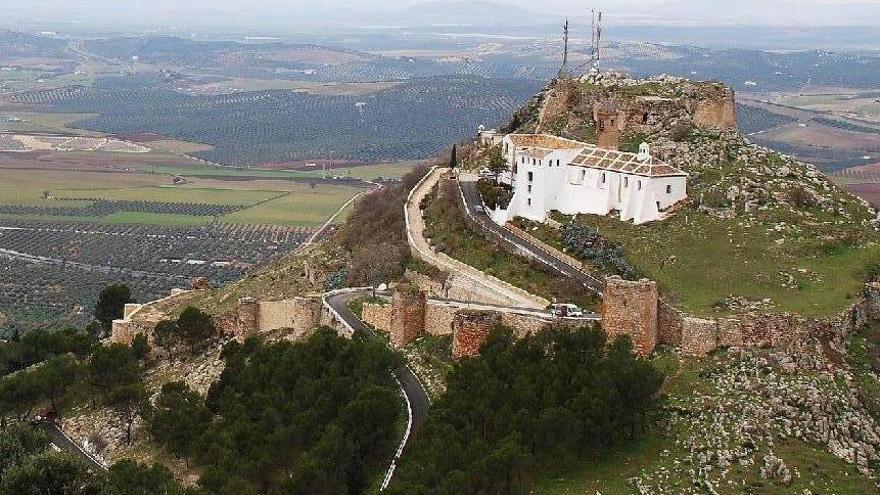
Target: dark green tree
{"type": "Point", "coordinates": [112, 367]}
{"type": "Point", "coordinates": [130, 401]}
{"type": "Point", "coordinates": [48, 473]}
{"type": "Point", "coordinates": [140, 347]}
{"type": "Point", "coordinates": [196, 327]}
{"type": "Point", "coordinates": [180, 419]}
{"type": "Point", "coordinates": [20, 441]}
{"type": "Point", "coordinates": [165, 335]}
{"type": "Point", "coordinates": [111, 304]}
{"type": "Point", "coordinates": [130, 478]}
{"type": "Point", "coordinates": [55, 377]}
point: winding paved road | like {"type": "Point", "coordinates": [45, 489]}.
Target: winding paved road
{"type": "Point", "coordinates": [416, 396]}
{"type": "Point", "coordinates": [60, 440]}
{"type": "Point", "coordinates": [472, 199]}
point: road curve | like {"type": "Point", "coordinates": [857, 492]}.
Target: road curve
{"type": "Point", "coordinates": [416, 396]}
{"type": "Point", "coordinates": [63, 442]}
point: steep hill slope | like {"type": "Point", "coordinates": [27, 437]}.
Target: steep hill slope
{"type": "Point", "coordinates": [761, 231]}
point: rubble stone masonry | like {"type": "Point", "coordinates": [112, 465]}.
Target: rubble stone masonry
{"type": "Point", "coordinates": [407, 315]}
{"type": "Point", "coordinates": [470, 329]}
{"type": "Point", "coordinates": [630, 308]}
{"type": "Point", "coordinates": [248, 319]}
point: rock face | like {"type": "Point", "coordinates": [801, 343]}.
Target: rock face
{"type": "Point", "coordinates": [630, 308]}
{"type": "Point", "coordinates": [470, 329]}
{"type": "Point", "coordinates": [407, 315]}
{"type": "Point", "coordinates": [610, 107]}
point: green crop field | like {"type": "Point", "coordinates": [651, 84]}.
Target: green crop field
{"type": "Point", "coordinates": [153, 199]}
{"type": "Point", "coordinates": [393, 170]}
{"type": "Point", "coordinates": [303, 206]}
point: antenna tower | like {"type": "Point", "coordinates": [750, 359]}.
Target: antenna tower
{"type": "Point", "coordinates": [564, 67]}
{"type": "Point", "coordinates": [597, 43]}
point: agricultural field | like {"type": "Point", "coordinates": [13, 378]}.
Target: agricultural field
{"type": "Point", "coordinates": [52, 271]}
{"type": "Point", "coordinates": [114, 197]}
{"type": "Point", "coordinates": [66, 233]}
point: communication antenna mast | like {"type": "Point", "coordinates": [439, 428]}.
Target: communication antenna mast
{"type": "Point", "coordinates": [565, 48]}
{"type": "Point", "coordinates": [592, 48]}
{"type": "Point", "coordinates": [597, 48]}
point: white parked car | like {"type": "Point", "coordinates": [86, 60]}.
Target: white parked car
{"type": "Point", "coordinates": [485, 173]}
{"type": "Point", "coordinates": [566, 311]}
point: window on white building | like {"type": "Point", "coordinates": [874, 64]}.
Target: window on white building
{"type": "Point", "coordinates": [669, 189]}
{"type": "Point", "coordinates": [603, 177]}
{"type": "Point", "coordinates": [530, 188]}
{"type": "Point", "coordinates": [531, 176]}
{"type": "Point", "coordinates": [626, 182]}
{"type": "Point", "coordinates": [557, 162]}
{"type": "Point", "coordinates": [639, 185]}
{"type": "Point", "coordinates": [529, 201]}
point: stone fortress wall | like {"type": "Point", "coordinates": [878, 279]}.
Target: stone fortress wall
{"type": "Point", "coordinates": [633, 308]}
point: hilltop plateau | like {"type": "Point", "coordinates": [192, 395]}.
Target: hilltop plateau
{"type": "Point", "coordinates": [760, 230]}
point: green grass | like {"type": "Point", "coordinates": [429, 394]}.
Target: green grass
{"type": "Point", "coordinates": [699, 260]}
{"type": "Point", "coordinates": [295, 204]}
{"type": "Point", "coordinates": [47, 122]}
{"type": "Point", "coordinates": [303, 207]}
{"type": "Point", "coordinates": [447, 229]}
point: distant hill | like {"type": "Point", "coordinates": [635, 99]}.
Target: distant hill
{"type": "Point", "coordinates": [472, 14]}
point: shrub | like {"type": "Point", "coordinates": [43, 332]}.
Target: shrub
{"type": "Point", "coordinates": [495, 195]}
{"type": "Point", "coordinates": [586, 242]}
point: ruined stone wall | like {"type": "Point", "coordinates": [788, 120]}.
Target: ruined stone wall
{"type": "Point", "coordinates": [438, 319]}
{"type": "Point", "coordinates": [669, 324]}
{"type": "Point", "coordinates": [630, 308]}
{"type": "Point", "coordinates": [470, 330]}
{"type": "Point", "coordinates": [786, 331]}
{"type": "Point", "coordinates": [129, 309]}
{"type": "Point", "coordinates": [247, 319]}
{"type": "Point", "coordinates": [377, 316]}
{"type": "Point", "coordinates": [296, 317]}
{"type": "Point", "coordinates": [525, 325]}
{"type": "Point", "coordinates": [124, 331]}
{"type": "Point", "coordinates": [407, 316]}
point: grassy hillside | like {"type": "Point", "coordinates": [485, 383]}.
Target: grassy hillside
{"type": "Point", "coordinates": [760, 231]}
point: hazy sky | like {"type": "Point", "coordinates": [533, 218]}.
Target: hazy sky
{"type": "Point", "coordinates": [295, 13]}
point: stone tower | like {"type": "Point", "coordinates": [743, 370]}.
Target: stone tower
{"type": "Point", "coordinates": [248, 318]}
{"type": "Point", "coordinates": [408, 305]}
{"type": "Point", "coordinates": [630, 308]}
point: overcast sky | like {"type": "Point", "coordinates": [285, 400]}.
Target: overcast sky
{"type": "Point", "coordinates": [298, 13]}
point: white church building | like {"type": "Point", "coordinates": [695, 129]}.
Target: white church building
{"type": "Point", "coordinates": [551, 173]}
